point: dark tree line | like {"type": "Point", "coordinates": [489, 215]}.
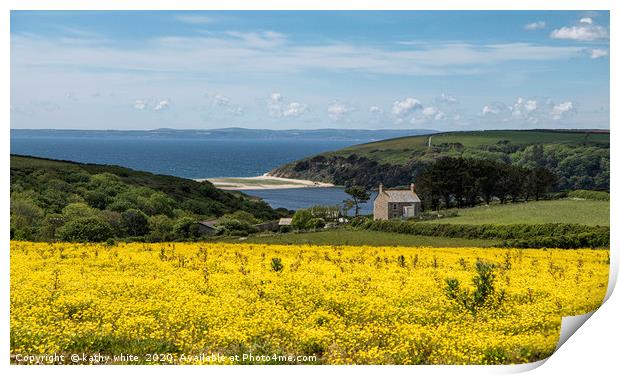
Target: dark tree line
{"type": "Point", "coordinates": [460, 182]}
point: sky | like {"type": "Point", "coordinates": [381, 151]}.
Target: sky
{"type": "Point", "coordinates": [441, 70]}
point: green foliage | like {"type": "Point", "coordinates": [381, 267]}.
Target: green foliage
{"type": "Point", "coordinates": [25, 215]}
{"type": "Point", "coordinates": [464, 182]}
{"type": "Point", "coordinates": [579, 160]}
{"type": "Point", "coordinates": [185, 228]}
{"type": "Point", "coordinates": [134, 222]}
{"type": "Point", "coordinates": [568, 236]}
{"type": "Point", "coordinates": [315, 223]}
{"type": "Point", "coordinates": [483, 288]}
{"type": "Point", "coordinates": [589, 194]}
{"type": "Point", "coordinates": [301, 219]}
{"type": "Point", "coordinates": [234, 227]}
{"type": "Point", "coordinates": [160, 228]}
{"type": "Point", "coordinates": [97, 199]}
{"type": "Point", "coordinates": [85, 229]}
{"type": "Point", "coordinates": [242, 216]}
{"type": "Point", "coordinates": [359, 195]}
{"type": "Point", "coordinates": [124, 199]}
{"type": "Point", "coordinates": [77, 210]}
{"type": "Point", "coordinates": [276, 264]}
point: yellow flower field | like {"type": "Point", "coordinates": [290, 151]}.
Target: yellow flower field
{"type": "Point", "coordinates": [217, 303]}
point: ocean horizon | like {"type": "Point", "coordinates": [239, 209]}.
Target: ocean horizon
{"type": "Point", "coordinates": [193, 158]}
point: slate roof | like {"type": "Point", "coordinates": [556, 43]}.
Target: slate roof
{"type": "Point", "coordinates": [209, 223]}
{"type": "Point", "coordinates": [401, 196]}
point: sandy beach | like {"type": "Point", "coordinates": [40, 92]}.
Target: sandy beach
{"type": "Point", "coordinates": [263, 182]}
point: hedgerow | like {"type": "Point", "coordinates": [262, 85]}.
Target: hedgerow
{"type": "Point", "coordinates": [557, 235]}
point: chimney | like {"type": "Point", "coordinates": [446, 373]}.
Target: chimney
{"type": "Point", "coordinates": [380, 188]}
{"type": "Point", "coordinates": [412, 188]}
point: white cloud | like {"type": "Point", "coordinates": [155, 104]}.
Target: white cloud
{"type": "Point", "coordinates": [161, 105]}
{"type": "Point", "coordinates": [529, 111]}
{"type": "Point", "coordinates": [584, 31]}
{"type": "Point", "coordinates": [221, 100]}
{"type": "Point", "coordinates": [375, 109]}
{"type": "Point", "coordinates": [490, 110]}
{"type": "Point", "coordinates": [275, 97]}
{"type": "Point", "coordinates": [535, 25]}
{"type": "Point", "coordinates": [598, 53]}
{"type": "Point", "coordinates": [559, 111]}
{"type": "Point", "coordinates": [272, 52]}
{"type": "Point", "coordinates": [139, 104]}
{"type": "Point", "coordinates": [277, 106]}
{"type": "Point", "coordinates": [402, 108]}
{"type": "Point", "coordinates": [446, 99]}
{"type": "Point", "coordinates": [433, 113]}
{"type": "Point", "coordinates": [338, 111]}
{"type": "Point", "coordinates": [294, 109]}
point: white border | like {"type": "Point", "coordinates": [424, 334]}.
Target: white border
{"type": "Point", "coordinates": [594, 347]}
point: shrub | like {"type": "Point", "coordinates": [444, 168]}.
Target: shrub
{"type": "Point", "coordinates": [242, 216]}
{"type": "Point", "coordinates": [85, 229]}
{"type": "Point", "coordinates": [589, 194]}
{"type": "Point", "coordinates": [96, 199]}
{"type": "Point", "coordinates": [135, 222]}
{"type": "Point", "coordinates": [315, 223]}
{"type": "Point", "coordinates": [185, 228]}
{"type": "Point", "coordinates": [301, 219]}
{"type": "Point", "coordinates": [484, 288]}
{"type": "Point", "coordinates": [234, 227]}
{"type": "Point", "coordinates": [276, 264]}
{"type": "Point", "coordinates": [567, 236]}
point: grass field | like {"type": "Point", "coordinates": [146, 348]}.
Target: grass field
{"type": "Point", "coordinates": [571, 211]}
{"type": "Point", "coordinates": [363, 238]}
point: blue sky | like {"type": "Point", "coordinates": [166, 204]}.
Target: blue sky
{"type": "Point", "coordinates": [443, 70]}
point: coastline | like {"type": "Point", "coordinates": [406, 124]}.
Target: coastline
{"type": "Point", "coordinates": [264, 182]}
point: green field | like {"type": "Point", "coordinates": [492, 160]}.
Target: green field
{"type": "Point", "coordinates": [360, 238]}
{"type": "Point", "coordinates": [572, 211]}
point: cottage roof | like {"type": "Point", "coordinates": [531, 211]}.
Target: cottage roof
{"type": "Point", "coordinates": [285, 221]}
{"type": "Point", "coordinates": [209, 223]}
{"type": "Point", "coordinates": [401, 196]}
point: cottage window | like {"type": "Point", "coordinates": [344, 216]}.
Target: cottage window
{"type": "Point", "coordinates": [395, 206]}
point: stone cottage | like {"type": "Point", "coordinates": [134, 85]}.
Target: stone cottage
{"type": "Point", "coordinates": [396, 204]}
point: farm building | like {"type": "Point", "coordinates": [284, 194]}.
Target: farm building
{"type": "Point", "coordinates": [207, 227]}
{"type": "Point", "coordinates": [285, 221]}
{"type": "Point", "coordinates": [396, 204]}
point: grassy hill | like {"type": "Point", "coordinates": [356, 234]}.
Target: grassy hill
{"type": "Point", "coordinates": [580, 159]}
{"type": "Point", "coordinates": [400, 150]}
{"type": "Point", "coordinates": [51, 197]}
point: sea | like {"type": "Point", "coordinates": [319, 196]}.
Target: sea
{"type": "Point", "coordinates": [194, 158]}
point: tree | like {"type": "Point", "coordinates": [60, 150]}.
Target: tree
{"type": "Point", "coordinates": [96, 199]}
{"type": "Point", "coordinates": [85, 229]}
{"type": "Point", "coordinates": [134, 222]}
{"type": "Point", "coordinates": [25, 216]}
{"type": "Point", "coordinates": [539, 182]}
{"type": "Point", "coordinates": [301, 219]}
{"type": "Point", "coordinates": [185, 228]}
{"type": "Point", "coordinates": [316, 223]}
{"type": "Point", "coordinates": [359, 195]}
{"type": "Point", "coordinates": [77, 210]}
{"type": "Point", "coordinates": [160, 228]}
